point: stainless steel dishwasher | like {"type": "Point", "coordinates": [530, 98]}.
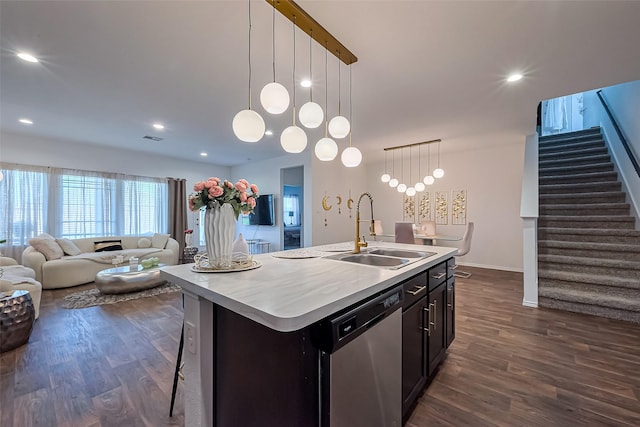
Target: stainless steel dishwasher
{"type": "Point", "coordinates": [361, 364]}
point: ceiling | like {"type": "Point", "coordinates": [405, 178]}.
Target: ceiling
{"type": "Point", "coordinates": [425, 70]}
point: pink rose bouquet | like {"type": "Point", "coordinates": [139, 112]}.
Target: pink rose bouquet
{"type": "Point", "coordinates": [214, 191]}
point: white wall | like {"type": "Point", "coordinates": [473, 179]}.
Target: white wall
{"type": "Point", "coordinates": [28, 150]}
{"type": "Point", "coordinates": [492, 177]}
{"type": "Point", "coordinates": [624, 101]}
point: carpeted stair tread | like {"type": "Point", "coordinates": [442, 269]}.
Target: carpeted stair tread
{"type": "Point", "coordinates": [592, 279]}
{"type": "Point", "coordinates": [594, 310]}
{"type": "Point", "coordinates": [570, 146]}
{"type": "Point", "coordinates": [591, 231]}
{"type": "Point", "coordinates": [581, 198]}
{"type": "Point", "coordinates": [594, 262]}
{"type": "Point", "coordinates": [619, 209]}
{"type": "Point", "coordinates": [573, 169]}
{"type": "Point", "coordinates": [580, 187]}
{"type": "Point", "coordinates": [580, 177]}
{"type": "Point", "coordinates": [572, 136]}
{"type": "Point", "coordinates": [592, 298]}
{"type": "Point", "coordinates": [591, 246]}
{"type": "Point", "coordinates": [573, 153]}
{"type": "Point", "coordinates": [598, 158]}
{"type": "Point", "coordinates": [587, 218]}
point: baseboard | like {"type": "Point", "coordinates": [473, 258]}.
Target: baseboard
{"type": "Point", "coordinates": [529, 304]}
{"type": "Point", "coordinates": [491, 267]}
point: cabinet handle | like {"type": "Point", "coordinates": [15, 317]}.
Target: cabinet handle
{"type": "Point", "coordinates": [439, 276]}
{"type": "Point", "coordinates": [454, 267]}
{"type": "Point", "coordinates": [428, 329]}
{"type": "Point", "coordinates": [415, 291]}
{"type": "Point", "coordinates": [435, 315]}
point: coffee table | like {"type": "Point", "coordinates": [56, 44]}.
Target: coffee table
{"type": "Point", "coordinates": [17, 315]}
{"type": "Point", "coordinates": [121, 280]}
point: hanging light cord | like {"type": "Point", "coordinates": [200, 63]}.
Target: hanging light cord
{"type": "Point", "coordinates": [438, 155]}
{"type": "Point", "coordinates": [410, 166]}
{"type": "Point", "coordinates": [339, 85]}
{"type": "Point", "coordinates": [393, 163]}
{"type": "Point", "coordinates": [249, 54]}
{"type": "Point", "coordinates": [294, 70]}
{"type": "Point", "coordinates": [419, 162]}
{"type": "Point", "coordinates": [273, 39]}
{"type": "Point", "coordinates": [350, 109]}
{"type": "Point", "coordinates": [326, 89]}
{"type": "Point", "coordinates": [310, 66]}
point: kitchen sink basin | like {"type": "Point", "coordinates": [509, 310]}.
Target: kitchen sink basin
{"type": "Point", "coordinates": [369, 259]}
{"type": "Point", "coordinates": [402, 253]}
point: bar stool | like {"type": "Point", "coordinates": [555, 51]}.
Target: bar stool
{"type": "Point", "coordinates": [264, 247]}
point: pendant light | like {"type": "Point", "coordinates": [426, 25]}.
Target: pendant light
{"type": "Point", "coordinates": [311, 115]}
{"type": "Point", "coordinates": [339, 126]}
{"type": "Point", "coordinates": [419, 186]}
{"type": "Point", "coordinates": [274, 97]}
{"type": "Point", "coordinates": [393, 182]}
{"type": "Point", "coordinates": [293, 139]}
{"type": "Point", "coordinates": [402, 187]}
{"type": "Point", "coordinates": [411, 191]}
{"type": "Point", "coordinates": [438, 172]}
{"type": "Point", "coordinates": [326, 148]}
{"type": "Point", "coordinates": [248, 125]}
{"type": "Point", "coordinates": [351, 156]}
{"type": "Point", "coordinates": [428, 179]}
{"type": "Point", "coordinates": [385, 176]}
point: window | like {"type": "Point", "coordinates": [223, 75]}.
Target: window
{"type": "Point", "coordinates": [291, 209]}
{"type": "Point", "coordinates": [76, 204]}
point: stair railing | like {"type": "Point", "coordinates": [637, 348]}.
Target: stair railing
{"type": "Point", "coordinates": [624, 141]}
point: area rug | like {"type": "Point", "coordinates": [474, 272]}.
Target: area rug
{"type": "Point", "coordinates": [93, 297]}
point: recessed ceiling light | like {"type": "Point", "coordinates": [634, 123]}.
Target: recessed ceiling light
{"type": "Point", "coordinates": [305, 83]}
{"type": "Point", "coordinates": [158, 126]}
{"type": "Point", "coordinates": [25, 121]}
{"type": "Point", "coordinates": [514, 78]}
{"type": "Point", "coordinates": [203, 154]}
{"type": "Point", "coordinates": [268, 132]}
{"type": "Point", "coordinates": [27, 57]}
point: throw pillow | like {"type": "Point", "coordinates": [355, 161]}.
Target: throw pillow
{"type": "Point", "coordinates": [47, 246]}
{"type": "Point", "coordinates": [68, 247]}
{"type": "Point", "coordinates": [159, 240]}
{"type": "Point", "coordinates": [107, 245]}
{"type": "Point", "coordinates": [143, 242]}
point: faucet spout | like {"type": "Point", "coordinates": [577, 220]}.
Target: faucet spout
{"type": "Point", "coordinates": [363, 243]}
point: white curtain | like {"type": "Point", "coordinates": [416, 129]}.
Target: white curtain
{"type": "Point", "coordinates": [291, 209]}
{"type": "Point", "coordinates": [75, 204]}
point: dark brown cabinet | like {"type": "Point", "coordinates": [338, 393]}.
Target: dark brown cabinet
{"type": "Point", "coordinates": [427, 329]}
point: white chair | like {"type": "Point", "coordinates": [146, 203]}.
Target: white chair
{"type": "Point", "coordinates": [464, 249]}
{"type": "Point", "coordinates": [404, 233]}
{"type": "Point", "coordinates": [428, 228]}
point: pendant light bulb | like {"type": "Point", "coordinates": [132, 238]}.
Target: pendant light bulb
{"type": "Point", "coordinates": [419, 186]}
{"type": "Point", "coordinates": [429, 180]}
{"type": "Point", "coordinates": [311, 115]}
{"type": "Point", "coordinates": [385, 177]}
{"type": "Point", "coordinates": [339, 127]}
{"type": "Point", "coordinates": [326, 149]}
{"type": "Point", "coordinates": [393, 183]}
{"type": "Point", "coordinates": [411, 192]}
{"type": "Point", "coordinates": [274, 98]}
{"type": "Point", "coordinates": [248, 126]}
{"type": "Point", "coordinates": [351, 157]}
{"type": "Point", "coordinates": [293, 139]}
{"type": "Point", "coordinates": [401, 188]}
{"type": "Point", "coordinates": [438, 173]}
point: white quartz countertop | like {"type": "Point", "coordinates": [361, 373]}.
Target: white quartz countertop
{"type": "Point", "coordinates": [290, 294]}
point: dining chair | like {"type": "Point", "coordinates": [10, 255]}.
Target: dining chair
{"type": "Point", "coordinates": [464, 249]}
{"type": "Point", "coordinates": [404, 233]}
{"type": "Point", "coordinates": [428, 228]}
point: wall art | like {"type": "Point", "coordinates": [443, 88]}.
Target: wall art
{"type": "Point", "coordinates": [409, 209]}
{"type": "Point", "coordinates": [441, 207]}
{"type": "Point", "coordinates": [424, 207]}
{"type": "Point", "coordinates": [459, 207]}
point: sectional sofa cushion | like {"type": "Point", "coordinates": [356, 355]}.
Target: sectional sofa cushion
{"type": "Point", "coordinates": [144, 243]}
{"type": "Point", "coordinates": [68, 247]}
{"type": "Point", "coordinates": [46, 244]}
{"type": "Point", "coordinates": [159, 240]}
{"type": "Point", "coordinates": [108, 245]}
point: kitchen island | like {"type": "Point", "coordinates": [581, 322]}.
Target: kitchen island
{"type": "Point", "coordinates": [249, 356]}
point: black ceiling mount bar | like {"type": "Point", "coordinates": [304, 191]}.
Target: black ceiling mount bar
{"type": "Point", "coordinates": [624, 141]}
{"type": "Point", "coordinates": [412, 145]}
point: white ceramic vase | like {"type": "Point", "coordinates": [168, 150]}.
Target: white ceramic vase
{"type": "Point", "coordinates": [220, 227]}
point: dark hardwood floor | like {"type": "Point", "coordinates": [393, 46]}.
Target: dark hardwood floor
{"type": "Point", "coordinates": [510, 365]}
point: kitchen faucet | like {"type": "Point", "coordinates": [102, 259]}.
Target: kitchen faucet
{"type": "Point", "coordinates": [362, 243]}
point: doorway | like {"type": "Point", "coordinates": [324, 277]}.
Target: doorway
{"type": "Point", "coordinates": [292, 207]}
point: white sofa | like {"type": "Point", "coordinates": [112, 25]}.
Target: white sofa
{"type": "Point", "coordinates": [15, 277]}
{"type": "Point", "coordinates": [79, 269]}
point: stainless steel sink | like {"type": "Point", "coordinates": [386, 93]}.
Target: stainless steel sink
{"type": "Point", "coordinates": [368, 259]}
{"type": "Point", "coordinates": [402, 253]}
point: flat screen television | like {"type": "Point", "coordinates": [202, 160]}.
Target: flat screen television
{"type": "Point", "coordinates": [263, 213]}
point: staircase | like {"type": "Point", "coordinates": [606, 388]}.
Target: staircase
{"type": "Point", "coordinates": [588, 248]}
